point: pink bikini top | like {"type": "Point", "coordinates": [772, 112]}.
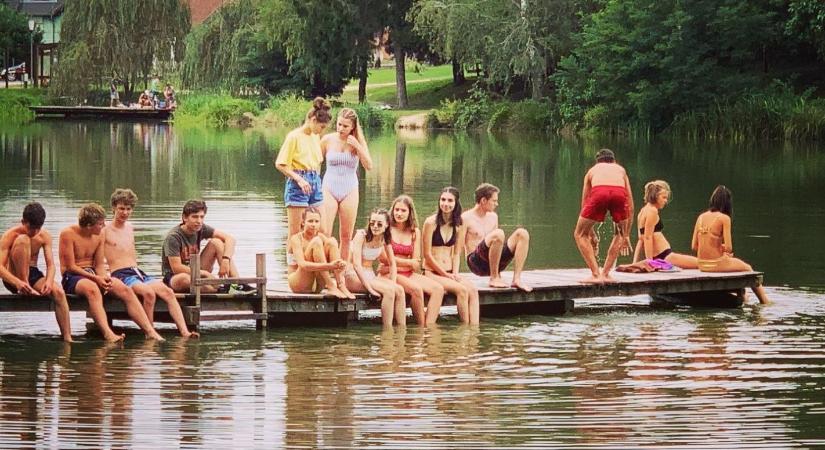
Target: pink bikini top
{"type": "Point", "coordinates": [403, 250]}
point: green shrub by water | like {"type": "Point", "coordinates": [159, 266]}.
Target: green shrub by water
{"type": "Point", "coordinates": [14, 104]}
{"type": "Point", "coordinates": [215, 110]}
{"type": "Point", "coordinates": [778, 114]}
{"type": "Point", "coordinates": [290, 111]}
{"type": "Point", "coordinates": [481, 111]}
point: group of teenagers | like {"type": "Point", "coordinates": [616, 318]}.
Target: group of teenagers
{"type": "Point", "coordinates": [99, 259]}
{"type": "Point", "coordinates": [392, 258]}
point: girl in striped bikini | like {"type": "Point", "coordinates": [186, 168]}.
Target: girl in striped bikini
{"type": "Point", "coordinates": [407, 249]}
{"type": "Point", "coordinates": [343, 150]}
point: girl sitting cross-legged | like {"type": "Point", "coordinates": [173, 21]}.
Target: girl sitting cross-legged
{"type": "Point", "coordinates": [311, 257]}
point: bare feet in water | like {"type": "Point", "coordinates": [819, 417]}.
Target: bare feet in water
{"type": "Point", "coordinates": [114, 337]}
{"type": "Point", "coordinates": [190, 334]}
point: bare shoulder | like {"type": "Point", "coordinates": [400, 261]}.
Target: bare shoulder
{"type": "Point", "coordinates": [44, 235]}
{"type": "Point", "coordinates": [68, 232]}
{"type": "Point", "coordinates": [430, 220]}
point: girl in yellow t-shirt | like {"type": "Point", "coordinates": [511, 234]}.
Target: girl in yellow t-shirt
{"type": "Point", "coordinates": [300, 160]}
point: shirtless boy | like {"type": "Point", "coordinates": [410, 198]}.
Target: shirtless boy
{"type": "Point", "coordinates": [606, 187]}
{"type": "Point", "coordinates": [488, 252]}
{"type": "Point", "coordinates": [84, 272]}
{"type": "Point", "coordinates": [121, 255]}
{"type": "Point", "coordinates": [184, 240]}
{"type": "Point", "coordinates": [19, 248]}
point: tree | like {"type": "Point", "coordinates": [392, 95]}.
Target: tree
{"type": "Point", "coordinates": [14, 37]}
{"type": "Point", "coordinates": [807, 19]}
{"type": "Point", "coordinates": [112, 38]}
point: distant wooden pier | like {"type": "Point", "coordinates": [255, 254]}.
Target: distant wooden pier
{"type": "Point", "coordinates": [554, 292]}
{"type": "Point", "coordinates": [100, 112]}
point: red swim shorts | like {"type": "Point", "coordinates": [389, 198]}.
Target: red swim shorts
{"type": "Point", "coordinates": [604, 198]}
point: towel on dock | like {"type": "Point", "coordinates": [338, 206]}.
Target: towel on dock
{"type": "Point", "coordinates": [647, 266]}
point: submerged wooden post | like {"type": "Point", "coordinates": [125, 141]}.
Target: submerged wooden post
{"type": "Point", "coordinates": [194, 287]}
{"type": "Point", "coordinates": [260, 273]}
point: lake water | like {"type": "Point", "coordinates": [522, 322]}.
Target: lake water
{"type": "Point", "coordinates": [615, 373]}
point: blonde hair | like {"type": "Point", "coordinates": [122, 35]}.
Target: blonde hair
{"type": "Point", "coordinates": [352, 116]}
{"type": "Point", "coordinates": [90, 214]}
{"type": "Point", "coordinates": [653, 188]}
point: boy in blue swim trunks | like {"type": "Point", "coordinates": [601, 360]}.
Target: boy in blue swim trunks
{"type": "Point", "coordinates": [84, 272]}
{"type": "Point", "coordinates": [119, 248]}
{"type": "Point", "coordinates": [19, 249]}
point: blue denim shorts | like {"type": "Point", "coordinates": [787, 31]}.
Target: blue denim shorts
{"type": "Point", "coordinates": [294, 196]}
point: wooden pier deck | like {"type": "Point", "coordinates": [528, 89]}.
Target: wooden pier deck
{"type": "Point", "coordinates": [100, 112]}
{"type": "Point", "coordinates": [554, 292]}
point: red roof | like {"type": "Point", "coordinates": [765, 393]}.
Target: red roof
{"type": "Point", "coordinates": [201, 9]}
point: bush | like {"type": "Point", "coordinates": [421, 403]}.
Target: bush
{"type": "Point", "coordinates": [15, 103]}
{"type": "Point", "coordinates": [217, 110]}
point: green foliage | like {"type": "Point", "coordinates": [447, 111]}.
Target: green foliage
{"type": "Point", "coordinates": [372, 116]}
{"type": "Point", "coordinates": [14, 36]}
{"type": "Point", "coordinates": [215, 110]}
{"type": "Point", "coordinates": [481, 111]}
{"type": "Point", "coordinates": [775, 113]}
{"type": "Point", "coordinates": [807, 20]}
{"type": "Point", "coordinates": [14, 105]}
{"type": "Point", "coordinates": [104, 39]}
{"type": "Point", "coordinates": [288, 110]}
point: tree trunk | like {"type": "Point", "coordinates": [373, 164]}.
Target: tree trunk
{"type": "Point", "coordinates": [400, 76]}
{"type": "Point", "coordinates": [362, 82]}
{"type": "Point", "coordinates": [458, 73]}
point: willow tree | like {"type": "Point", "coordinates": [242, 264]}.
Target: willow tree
{"type": "Point", "coordinates": [115, 39]}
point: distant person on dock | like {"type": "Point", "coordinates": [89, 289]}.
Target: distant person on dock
{"type": "Point", "coordinates": [114, 97]}
{"type": "Point", "coordinates": [169, 97]}
{"type": "Point", "coordinates": [443, 239]}
{"type": "Point", "coordinates": [145, 100]}
{"type": "Point", "coordinates": [84, 272]}
{"type": "Point", "coordinates": [121, 255]}
{"type": "Point", "coordinates": [184, 240]}
{"type": "Point", "coordinates": [370, 244]}
{"type": "Point", "coordinates": [405, 239]}
{"type": "Point", "coordinates": [343, 150]}
{"type": "Point", "coordinates": [19, 250]}
{"type": "Point", "coordinates": [489, 250]}
{"type": "Point", "coordinates": [712, 239]}
{"type": "Point", "coordinates": [651, 239]}
{"type": "Point", "coordinates": [300, 161]}
{"type": "Point", "coordinates": [606, 187]}
{"type": "Point", "coordinates": [311, 256]}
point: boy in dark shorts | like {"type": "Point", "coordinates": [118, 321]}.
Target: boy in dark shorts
{"type": "Point", "coordinates": [489, 250]}
{"type": "Point", "coordinates": [84, 272]}
{"type": "Point", "coordinates": [184, 240]}
{"type": "Point", "coordinates": [606, 187]}
{"type": "Point", "coordinates": [19, 249]}
{"type": "Point", "coordinates": [119, 248]}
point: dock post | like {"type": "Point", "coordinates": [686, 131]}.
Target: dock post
{"type": "Point", "coordinates": [194, 287]}
{"type": "Point", "coordinates": [260, 273]}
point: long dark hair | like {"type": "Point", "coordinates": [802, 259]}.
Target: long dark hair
{"type": "Point", "coordinates": [387, 233]}
{"type": "Point", "coordinates": [455, 218]}
{"type": "Point", "coordinates": [721, 200]}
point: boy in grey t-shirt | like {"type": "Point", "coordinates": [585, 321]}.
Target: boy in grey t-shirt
{"type": "Point", "coordinates": [184, 240]}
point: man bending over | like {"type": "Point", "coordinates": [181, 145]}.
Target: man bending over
{"type": "Point", "coordinates": [488, 249]}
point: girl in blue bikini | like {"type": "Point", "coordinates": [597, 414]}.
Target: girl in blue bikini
{"type": "Point", "coordinates": [343, 150]}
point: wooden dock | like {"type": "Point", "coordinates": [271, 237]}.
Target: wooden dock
{"type": "Point", "coordinates": [554, 292]}
{"type": "Point", "coordinates": [100, 112]}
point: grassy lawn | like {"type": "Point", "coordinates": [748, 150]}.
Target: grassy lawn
{"type": "Point", "coordinates": [425, 89]}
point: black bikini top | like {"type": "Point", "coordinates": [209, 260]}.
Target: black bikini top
{"type": "Point", "coordinates": [438, 240]}
{"type": "Point", "coordinates": [657, 228]}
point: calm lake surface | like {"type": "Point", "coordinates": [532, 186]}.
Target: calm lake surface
{"type": "Point", "coordinates": [615, 373]}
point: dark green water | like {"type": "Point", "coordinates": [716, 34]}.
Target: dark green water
{"type": "Point", "coordinates": [613, 374]}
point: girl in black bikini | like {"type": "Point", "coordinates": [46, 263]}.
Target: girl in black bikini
{"type": "Point", "coordinates": [442, 257]}
{"type": "Point", "coordinates": [651, 239]}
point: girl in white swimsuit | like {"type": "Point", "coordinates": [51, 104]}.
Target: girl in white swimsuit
{"type": "Point", "coordinates": [343, 151]}
{"type": "Point", "coordinates": [370, 244]}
